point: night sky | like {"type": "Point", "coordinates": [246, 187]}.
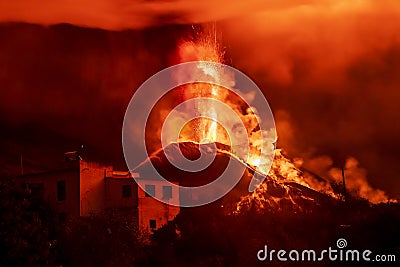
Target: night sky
{"type": "Point", "coordinates": [329, 69]}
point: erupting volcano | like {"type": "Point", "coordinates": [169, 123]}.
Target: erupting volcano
{"type": "Point", "coordinates": [211, 123]}
{"type": "Point", "coordinates": [202, 126]}
{"type": "Point", "coordinates": [212, 132]}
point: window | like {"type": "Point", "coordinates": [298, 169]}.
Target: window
{"type": "Point", "coordinates": [167, 192]}
{"type": "Point", "coordinates": [153, 224]}
{"type": "Point", "coordinates": [126, 191]}
{"type": "Point", "coordinates": [61, 190]}
{"type": "Point", "coordinates": [150, 190]}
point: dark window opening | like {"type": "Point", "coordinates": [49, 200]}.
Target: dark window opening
{"type": "Point", "coordinates": [153, 224]}
{"type": "Point", "coordinates": [167, 192]}
{"type": "Point", "coordinates": [150, 190]}
{"type": "Point", "coordinates": [127, 191]}
{"type": "Point", "coordinates": [61, 190]}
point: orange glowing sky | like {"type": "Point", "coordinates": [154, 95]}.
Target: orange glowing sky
{"type": "Point", "coordinates": [329, 68]}
{"type": "Point", "coordinates": [122, 14]}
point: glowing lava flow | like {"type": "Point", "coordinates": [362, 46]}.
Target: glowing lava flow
{"type": "Point", "coordinates": [207, 128]}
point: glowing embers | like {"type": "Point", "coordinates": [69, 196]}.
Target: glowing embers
{"type": "Point", "coordinates": [204, 130]}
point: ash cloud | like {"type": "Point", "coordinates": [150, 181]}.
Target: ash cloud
{"type": "Point", "coordinates": [330, 73]}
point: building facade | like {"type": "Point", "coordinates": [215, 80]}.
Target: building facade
{"type": "Point", "coordinates": [85, 188]}
{"type": "Point", "coordinates": [153, 213]}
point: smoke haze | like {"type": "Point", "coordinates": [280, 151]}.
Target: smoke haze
{"type": "Point", "coordinates": [329, 69]}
